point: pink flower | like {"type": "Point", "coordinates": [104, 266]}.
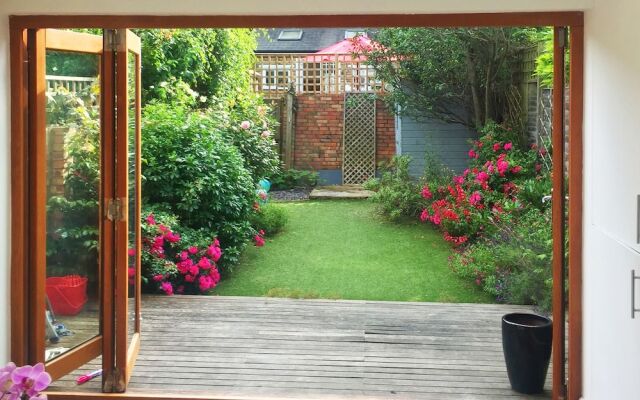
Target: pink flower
{"type": "Point", "coordinates": [473, 154]}
{"type": "Point", "coordinates": [205, 283]}
{"type": "Point", "coordinates": [204, 263]}
{"type": "Point", "coordinates": [436, 219]}
{"type": "Point", "coordinates": [496, 146]}
{"type": "Point", "coordinates": [150, 219]}
{"type": "Point", "coordinates": [214, 252]}
{"type": "Point", "coordinates": [194, 270]}
{"type": "Point", "coordinates": [491, 169]}
{"type": "Point", "coordinates": [426, 193]}
{"type": "Point", "coordinates": [172, 237]}
{"type": "Point", "coordinates": [167, 288]}
{"type": "Point", "coordinates": [189, 278]}
{"type": "Point", "coordinates": [538, 167]}
{"type": "Point", "coordinates": [183, 255]}
{"type": "Point", "coordinates": [5, 374]}
{"type": "Point", "coordinates": [184, 266]}
{"type": "Point", "coordinates": [516, 169]}
{"type": "Point", "coordinates": [259, 240]}
{"type": "Point", "coordinates": [215, 275]}
{"type": "Point", "coordinates": [475, 198]}
{"type": "Point", "coordinates": [482, 177]}
{"type": "Point", "coordinates": [158, 277]}
{"type": "Point", "coordinates": [424, 215]}
{"type": "Point", "coordinates": [193, 250]}
{"type": "Point", "coordinates": [131, 252]}
{"type": "Point", "coordinates": [245, 125]}
{"type": "Point", "coordinates": [131, 272]}
{"type": "Point", "coordinates": [30, 380]}
{"type": "Point", "coordinates": [459, 180]}
{"type": "Point", "coordinates": [163, 228]}
{"type": "Point", "coordinates": [266, 134]}
{"type": "Point", "coordinates": [508, 146]}
{"type": "Point", "coordinates": [503, 166]}
{"type": "Point", "coordinates": [263, 196]}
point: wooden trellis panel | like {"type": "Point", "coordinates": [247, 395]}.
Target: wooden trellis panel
{"type": "Point", "coordinates": [359, 138]}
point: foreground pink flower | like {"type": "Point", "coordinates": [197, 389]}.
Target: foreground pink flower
{"type": "Point", "coordinates": [214, 252]}
{"type": "Point", "coordinates": [508, 146]}
{"type": "Point", "coordinates": [503, 166]}
{"type": "Point", "coordinates": [426, 193]}
{"type": "Point", "coordinates": [245, 125]}
{"type": "Point", "coordinates": [193, 249]}
{"type": "Point", "coordinates": [30, 380]}
{"type": "Point", "coordinates": [5, 374]}
{"type": "Point", "coordinates": [482, 177]}
{"type": "Point", "coordinates": [131, 252]}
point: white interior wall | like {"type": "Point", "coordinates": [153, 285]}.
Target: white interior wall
{"type": "Point", "coordinates": [612, 183]}
{"type": "Point", "coordinates": [610, 55]}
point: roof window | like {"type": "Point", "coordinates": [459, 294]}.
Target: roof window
{"type": "Point", "coordinates": [290, 35]}
{"type": "Point", "coordinates": [352, 34]}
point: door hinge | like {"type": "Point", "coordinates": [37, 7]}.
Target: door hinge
{"type": "Point", "coordinates": [114, 40]}
{"type": "Point", "coordinates": [115, 209]}
{"type": "Point", "coordinates": [562, 37]}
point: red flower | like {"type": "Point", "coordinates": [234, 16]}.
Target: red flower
{"type": "Point", "coordinates": [497, 146]}
{"type": "Point", "coordinates": [426, 193]}
{"type": "Point", "coordinates": [158, 277]}
{"type": "Point", "coordinates": [516, 169]}
{"type": "Point", "coordinates": [259, 240]}
{"type": "Point", "coordinates": [167, 287]}
{"type": "Point", "coordinates": [508, 146]}
{"type": "Point", "coordinates": [150, 219]}
{"type": "Point", "coordinates": [193, 250]}
{"type": "Point", "coordinates": [473, 154]}
{"type": "Point", "coordinates": [424, 215]}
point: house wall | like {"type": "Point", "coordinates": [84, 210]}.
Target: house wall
{"type": "Point", "coordinates": [319, 129]}
{"type": "Point", "coordinates": [447, 142]}
{"type": "Point", "coordinates": [612, 184]}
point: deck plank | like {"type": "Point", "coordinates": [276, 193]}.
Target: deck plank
{"type": "Point", "coordinates": [266, 348]}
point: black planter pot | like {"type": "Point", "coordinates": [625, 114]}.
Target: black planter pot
{"type": "Point", "coordinates": [526, 342]}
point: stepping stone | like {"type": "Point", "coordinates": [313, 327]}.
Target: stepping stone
{"type": "Point", "coordinates": [340, 192]}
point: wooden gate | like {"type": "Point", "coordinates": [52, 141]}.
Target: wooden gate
{"type": "Point", "coordinates": [359, 138]}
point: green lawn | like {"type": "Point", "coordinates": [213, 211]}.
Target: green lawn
{"type": "Point", "coordinates": [342, 250]}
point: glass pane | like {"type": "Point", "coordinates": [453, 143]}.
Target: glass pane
{"type": "Point", "coordinates": [133, 191]}
{"type": "Point", "coordinates": [73, 189]}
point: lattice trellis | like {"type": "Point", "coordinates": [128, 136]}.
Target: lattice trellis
{"type": "Point", "coordinates": [359, 138]}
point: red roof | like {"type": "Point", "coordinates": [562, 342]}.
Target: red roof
{"type": "Point", "coordinates": [343, 51]}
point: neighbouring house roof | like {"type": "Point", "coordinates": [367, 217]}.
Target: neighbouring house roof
{"type": "Point", "coordinates": [311, 41]}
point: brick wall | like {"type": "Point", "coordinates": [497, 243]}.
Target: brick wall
{"type": "Point", "coordinates": [319, 126]}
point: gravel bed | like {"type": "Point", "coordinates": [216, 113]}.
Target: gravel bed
{"type": "Point", "coordinates": [290, 195]}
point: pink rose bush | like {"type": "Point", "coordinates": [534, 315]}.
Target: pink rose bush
{"type": "Point", "coordinates": [468, 206]}
{"type": "Point", "coordinates": [173, 265]}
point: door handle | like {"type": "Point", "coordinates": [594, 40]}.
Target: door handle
{"type": "Point", "coordinates": [634, 278]}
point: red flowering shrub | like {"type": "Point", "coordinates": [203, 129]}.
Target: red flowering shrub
{"type": "Point", "coordinates": [467, 206]}
{"type": "Point", "coordinates": [174, 263]}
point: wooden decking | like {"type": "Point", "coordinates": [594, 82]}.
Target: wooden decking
{"type": "Point", "coordinates": [318, 349]}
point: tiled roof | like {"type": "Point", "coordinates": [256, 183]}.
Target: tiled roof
{"type": "Point", "coordinates": [313, 39]}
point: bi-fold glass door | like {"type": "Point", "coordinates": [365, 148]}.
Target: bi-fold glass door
{"type": "Point", "coordinates": [84, 201]}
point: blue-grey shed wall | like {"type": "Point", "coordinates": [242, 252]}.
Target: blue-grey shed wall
{"type": "Point", "coordinates": [448, 141]}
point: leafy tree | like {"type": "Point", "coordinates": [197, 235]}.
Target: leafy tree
{"type": "Point", "coordinates": [462, 75]}
{"type": "Point", "coordinates": [212, 62]}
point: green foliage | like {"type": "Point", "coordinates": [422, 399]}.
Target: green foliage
{"type": "Point", "coordinates": [198, 176]}
{"type": "Point", "coordinates": [72, 64]}
{"type": "Point", "coordinates": [214, 63]}
{"type": "Point", "coordinates": [271, 218]}
{"type": "Point", "coordinates": [544, 61]}
{"type": "Point", "coordinates": [398, 194]}
{"type": "Point", "coordinates": [294, 178]}
{"type": "Point", "coordinates": [372, 184]}
{"type": "Point", "coordinates": [459, 75]}
{"type": "Point", "coordinates": [72, 216]}
{"type": "Point", "coordinates": [514, 263]}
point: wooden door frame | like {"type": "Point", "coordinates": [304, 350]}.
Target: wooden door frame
{"type": "Point", "coordinates": [19, 126]}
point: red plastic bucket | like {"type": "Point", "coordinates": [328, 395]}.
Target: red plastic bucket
{"type": "Point", "coordinates": [67, 294]}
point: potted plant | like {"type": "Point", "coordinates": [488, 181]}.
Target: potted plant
{"type": "Point", "coordinates": [526, 342]}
